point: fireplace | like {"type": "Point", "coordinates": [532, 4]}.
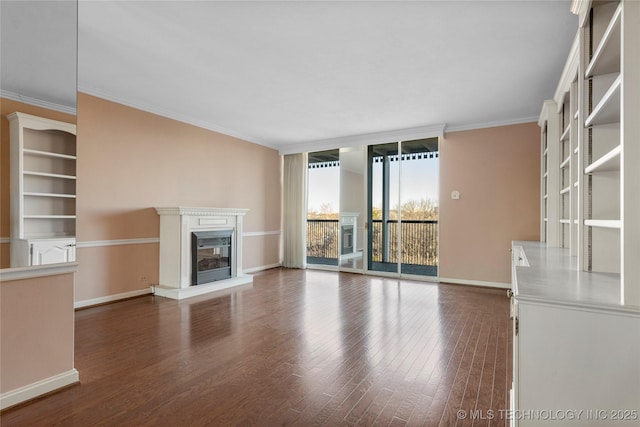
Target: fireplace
{"type": "Point", "coordinates": [200, 251]}
{"type": "Point", "coordinates": [347, 239]}
{"type": "Point", "coordinates": [210, 256]}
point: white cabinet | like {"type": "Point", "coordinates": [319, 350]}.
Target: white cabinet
{"type": "Point", "coordinates": [576, 348]}
{"type": "Point", "coordinates": [43, 190]}
{"type": "Point", "coordinates": [52, 251]}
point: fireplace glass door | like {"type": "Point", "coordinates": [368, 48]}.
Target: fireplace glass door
{"type": "Point", "coordinates": [211, 256]}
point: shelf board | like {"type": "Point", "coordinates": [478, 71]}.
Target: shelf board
{"type": "Point", "coordinates": [575, 221]}
{"type": "Point", "coordinates": [575, 150]}
{"type": "Point", "coordinates": [575, 116]}
{"type": "Point", "coordinates": [603, 223]}
{"type": "Point", "coordinates": [49, 175]}
{"type": "Point", "coordinates": [546, 151]}
{"type": "Point", "coordinates": [565, 221]}
{"type": "Point", "coordinates": [545, 174]}
{"type": "Point", "coordinates": [565, 190]}
{"type": "Point", "coordinates": [49, 216]}
{"type": "Point", "coordinates": [545, 196]}
{"type": "Point", "coordinates": [65, 196]}
{"type": "Point", "coordinates": [565, 163]}
{"type": "Point", "coordinates": [608, 109]}
{"type": "Point", "coordinates": [565, 134]}
{"type": "Point", "coordinates": [606, 58]}
{"type": "Point", "coordinates": [608, 162]}
{"type": "Point", "coordinates": [48, 154]}
{"type": "Point", "coordinates": [575, 184]}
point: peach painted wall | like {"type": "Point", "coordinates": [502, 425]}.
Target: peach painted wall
{"type": "Point", "coordinates": [7, 107]}
{"type": "Point", "coordinates": [130, 161]}
{"type": "Point", "coordinates": [497, 172]}
{"type": "Point", "coordinates": [36, 322]}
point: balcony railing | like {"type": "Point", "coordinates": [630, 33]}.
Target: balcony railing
{"type": "Point", "coordinates": [419, 240]}
{"type": "Point", "coordinates": [322, 238]}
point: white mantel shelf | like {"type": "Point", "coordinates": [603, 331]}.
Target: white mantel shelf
{"type": "Point", "coordinates": [201, 211]}
{"type": "Point", "coordinates": [176, 226]}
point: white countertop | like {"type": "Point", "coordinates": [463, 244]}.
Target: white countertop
{"type": "Point", "coordinates": [553, 277]}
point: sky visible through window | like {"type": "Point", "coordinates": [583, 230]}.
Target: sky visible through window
{"type": "Point", "coordinates": [419, 181]}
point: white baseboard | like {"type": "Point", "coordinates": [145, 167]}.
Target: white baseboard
{"type": "Point", "coordinates": [31, 391]}
{"type": "Point", "coordinates": [261, 268]}
{"type": "Point", "coordinates": [111, 298]}
{"type": "Point", "coordinates": [476, 283]}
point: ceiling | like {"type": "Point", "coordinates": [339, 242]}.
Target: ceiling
{"type": "Point", "coordinates": [287, 73]}
{"type": "Point", "coordinates": [38, 52]}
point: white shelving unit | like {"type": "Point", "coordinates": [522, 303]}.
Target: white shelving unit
{"type": "Point", "coordinates": [602, 138]}
{"type": "Point", "coordinates": [583, 298]}
{"type": "Point", "coordinates": [596, 148]}
{"type": "Point", "coordinates": [549, 184]}
{"type": "Point", "coordinates": [43, 190]}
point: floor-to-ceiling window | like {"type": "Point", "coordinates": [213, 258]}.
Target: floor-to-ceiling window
{"type": "Point", "coordinates": [375, 208]}
{"type": "Point", "coordinates": [323, 207]}
{"type": "Point", "coordinates": [403, 207]}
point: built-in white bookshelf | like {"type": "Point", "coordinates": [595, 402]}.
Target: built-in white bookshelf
{"type": "Point", "coordinates": [43, 190]}
{"type": "Point", "coordinates": [598, 151]}
{"type": "Point", "coordinates": [549, 170]}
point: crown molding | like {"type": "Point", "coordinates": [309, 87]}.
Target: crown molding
{"type": "Point", "coordinates": [174, 116]}
{"type": "Point", "coordinates": [407, 134]}
{"type": "Point", "coordinates": [493, 124]}
{"type": "Point", "coordinates": [547, 105]}
{"type": "Point", "coordinates": [37, 102]}
{"type": "Point", "coordinates": [580, 8]}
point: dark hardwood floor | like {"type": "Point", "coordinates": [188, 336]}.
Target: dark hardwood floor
{"type": "Point", "coordinates": [298, 348]}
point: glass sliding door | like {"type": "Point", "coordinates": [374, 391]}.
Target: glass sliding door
{"type": "Point", "coordinates": [419, 172]}
{"type": "Point", "coordinates": [375, 208]}
{"type": "Point", "coordinates": [352, 208]}
{"type": "Point", "coordinates": [383, 191]}
{"type": "Point", "coordinates": [323, 204]}
{"type": "Point", "coordinates": [402, 210]}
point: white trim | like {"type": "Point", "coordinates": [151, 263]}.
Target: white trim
{"type": "Point", "coordinates": [19, 273]}
{"type": "Point", "coordinates": [569, 73]}
{"type": "Point", "coordinates": [547, 105]}
{"type": "Point", "coordinates": [175, 116]}
{"type": "Point", "coordinates": [365, 139]}
{"type": "Point", "coordinates": [476, 283]}
{"type": "Point", "coordinates": [37, 102]}
{"type": "Point", "coordinates": [33, 390]}
{"type": "Point", "coordinates": [117, 242]}
{"type": "Point", "coordinates": [261, 233]}
{"type": "Point", "coordinates": [190, 211]}
{"type": "Point", "coordinates": [261, 268]}
{"type": "Point", "coordinates": [620, 310]}
{"type": "Point", "coordinates": [497, 123]}
{"type": "Point", "coordinates": [150, 240]}
{"type": "Point", "coordinates": [111, 298]}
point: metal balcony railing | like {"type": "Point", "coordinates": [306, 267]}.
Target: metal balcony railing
{"type": "Point", "coordinates": [419, 240]}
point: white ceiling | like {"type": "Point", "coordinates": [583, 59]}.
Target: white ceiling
{"type": "Point", "coordinates": [291, 72]}
{"type": "Point", "coordinates": [38, 52]}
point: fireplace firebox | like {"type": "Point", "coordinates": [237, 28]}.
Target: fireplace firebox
{"type": "Point", "coordinates": [210, 256]}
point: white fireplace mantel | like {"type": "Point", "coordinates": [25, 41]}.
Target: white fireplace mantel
{"type": "Point", "coordinates": [176, 226]}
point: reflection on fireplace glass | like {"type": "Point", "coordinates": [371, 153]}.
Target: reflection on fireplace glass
{"type": "Point", "coordinates": [210, 258]}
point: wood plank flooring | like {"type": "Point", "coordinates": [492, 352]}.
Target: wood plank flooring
{"type": "Point", "coordinates": [304, 348]}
